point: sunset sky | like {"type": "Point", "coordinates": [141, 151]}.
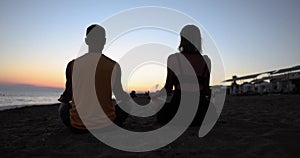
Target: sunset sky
{"type": "Point", "coordinates": [38, 38]}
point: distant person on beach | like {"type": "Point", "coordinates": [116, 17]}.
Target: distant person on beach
{"type": "Point", "coordinates": [133, 94]}
{"type": "Point", "coordinates": [190, 48]}
{"type": "Point", "coordinates": [107, 78]}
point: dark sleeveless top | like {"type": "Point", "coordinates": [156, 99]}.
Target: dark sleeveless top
{"type": "Point", "coordinates": [202, 78]}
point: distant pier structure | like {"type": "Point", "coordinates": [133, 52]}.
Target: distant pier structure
{"type": "Point", "coordinates": [280, 81]}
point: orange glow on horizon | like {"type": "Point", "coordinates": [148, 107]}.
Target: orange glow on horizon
{"type": "Point", "coordinates": [39, 84]}
{"type": "Point", "coordinates": [36, 77]}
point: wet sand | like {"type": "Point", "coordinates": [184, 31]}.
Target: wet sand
{"type": "Point", "coordinates": [249, 126]}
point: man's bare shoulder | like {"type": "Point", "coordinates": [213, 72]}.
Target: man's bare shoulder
{"type": "Point", "coordinates": [107, 59]}
{"type": "Point", "coordinates": [173, 56]}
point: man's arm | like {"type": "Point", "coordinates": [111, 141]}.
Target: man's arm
{"type": "Point", "coordinates": [117, 87]}
{"type": "Point", "coordinates": [67, 94]}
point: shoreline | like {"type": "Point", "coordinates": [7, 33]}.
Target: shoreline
{"type": "Point", "coordinates": [12, 107]}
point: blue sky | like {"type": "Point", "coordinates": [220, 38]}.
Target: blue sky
{"type": "Point", "coordinates": [42, 36]}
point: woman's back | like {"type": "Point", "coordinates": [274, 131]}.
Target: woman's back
{"type": "Point", "coordinates": [189, 73]}
{"type": "Point", "coordinates": [198, 62]}
{"type": "Point", "coordinates": [182, 63]}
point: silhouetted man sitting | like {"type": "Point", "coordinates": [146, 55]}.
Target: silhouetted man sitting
{"type": "Point", "coordinates": [92, 75]}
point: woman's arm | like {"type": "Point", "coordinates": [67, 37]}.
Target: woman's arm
{"type": "Point", "coordinates": [171, 77]}
{"type": "Point", "coordinates": [169, 80]}
{"type": "Point", "coordinates": [206, 75]}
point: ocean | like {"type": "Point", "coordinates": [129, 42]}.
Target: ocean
{"type": "Point", "coordinates": [15, 96]}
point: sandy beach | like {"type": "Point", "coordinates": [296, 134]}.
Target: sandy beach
{"type": "Point", "coordinates": [249, 126]}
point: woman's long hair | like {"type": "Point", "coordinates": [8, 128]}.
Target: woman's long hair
{"type": "Point", "coordinates": [191, 41]}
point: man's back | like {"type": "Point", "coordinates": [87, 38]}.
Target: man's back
{"type": "Point", "coordinates": [104, 81]}
{"type": "Point", "coordinates": [92, 88]}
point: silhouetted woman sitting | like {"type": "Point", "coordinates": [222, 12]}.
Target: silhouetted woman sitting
{"type": "Point", "coordinates": [191, 49]}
